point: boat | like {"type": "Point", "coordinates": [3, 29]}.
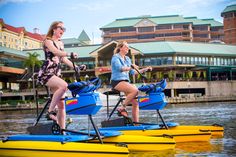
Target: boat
{"type": "Point", "coordinates": [150, 130]}
{"type": "Point", "coordinates": [61, 145]}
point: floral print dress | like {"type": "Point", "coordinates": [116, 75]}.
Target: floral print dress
{"type": "Point", "coordinates": [51, 66]}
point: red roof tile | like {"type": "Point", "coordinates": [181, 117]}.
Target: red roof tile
{"type": "Point", "coordinates": [34, 35]}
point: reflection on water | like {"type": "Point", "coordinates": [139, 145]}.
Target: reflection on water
{"type": "Point", "coordinates": [15, 122]}
{"type": "Point", "coordinates": [164, 153]}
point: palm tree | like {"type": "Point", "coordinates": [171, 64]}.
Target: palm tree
{"type": "Point", "coordinates": [32, 61]}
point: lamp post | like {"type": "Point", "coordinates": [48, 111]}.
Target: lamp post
{"type": "Point", "coordinates": [189, 85]}
{"type": "Point", "coordinates": [34, 86]}
{"type": "Point", "coordinates": [33, 83]}
{"type": "Point", "coordinates": [1, 93]}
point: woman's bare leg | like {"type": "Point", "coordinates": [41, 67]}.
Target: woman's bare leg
{"type": "Point", "coordinates": [135, 110]}
{"type": "Point", "coordinates": [131, 92]}
{"type": "Point", "coordinates": [58, 87]}
{"type": "Point", "coordinates": [61, 114]}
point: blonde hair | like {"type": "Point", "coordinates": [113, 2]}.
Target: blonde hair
{"type": "Point", "coordinates": [119, 45]}
{"type": "Point", "coordinates": [50, 30]}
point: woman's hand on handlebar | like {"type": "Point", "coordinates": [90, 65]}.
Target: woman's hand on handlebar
{"type": "Point", "coordinates": [149, 68]}
{"type": "Point", "coordinates": [83, 67]}
{"type": "Point", "coordinates": [134, 66]}
{"type": "Point", "coordinates": [73, 55]}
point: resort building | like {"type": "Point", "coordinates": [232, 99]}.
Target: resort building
{"type": "Point", "coordinates": [229, 15]}
{"type": "Point", "coordinates": [18, 37]}
{"type": "Point", "coordinates": [163, 28]}
{"type": "Point", "coordinates": [191, 68]}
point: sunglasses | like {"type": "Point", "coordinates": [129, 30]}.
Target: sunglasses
{"type": "Point", "coordinates": [62, 28]}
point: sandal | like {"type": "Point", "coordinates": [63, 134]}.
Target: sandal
{"type": "Point", "coordinates": [51, 115]}
{"type": "Point", "coordinates": [122, 112]}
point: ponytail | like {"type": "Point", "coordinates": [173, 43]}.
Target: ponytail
{"type": "Point", "coordinates": [118, 46]}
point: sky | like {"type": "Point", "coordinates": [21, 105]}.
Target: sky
{"type": "Point", "coordinates": [90, 15]}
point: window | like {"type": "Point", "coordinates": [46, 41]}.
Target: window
{"type": "Point", "coordinates": [184, 60]}
{"type": "Point", "coordinates": [146, 36]}
{"type": "Point", "coordinates": [214, 61]}
{"type": "Point", "coordinates": [177, 26]}
{"type": "Point", "coordinates": [215, 29]}
{"type": "Point", "coordinates": [153, 61]}
{"type": "Point", "coordinates": [188, 60]}
{"type": "Point", "coordinates": [123, 37]}
{"type": "Point", "coordinates": [146, 29]}
{"type": "Point", "coordinates": [201, 28]}
{"type": "Point", "coordinates": [191, 60]}
{"type": "Point", "coordinates": [159, 61]}
{"type": "Point", "coordinates": [200, 35]}
{"type": "Point", "coordinates": [197, 60]}
{"type": "Point", "coordinates": [185, 27]}
{"type": "Point", "coordinates": [169, 60]}
{"type": "Point", "coordinates": [172, 34]}
{"type": "Point", "coordinates": [163, 27]}
{"type": "Point", "coordinates": [114, 30]}
{"type": "Point", "coordinates": [207, 61]}
{"type": "Point", "coordinates": [179, 60]}
{"type": "Point", "coordinates": [147, 61]}
{"type": "Point", "coordinates": [186, 34]}
{"type": "Point", "coordinates": [228, 15]}
{"type": "Point", "coordinates": [128, 29]}
{"type": "Point", "coordinates": [160, 35]}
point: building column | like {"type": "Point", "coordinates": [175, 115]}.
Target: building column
{"type": "Point", "coordinates": [96, 61]}
{"type": "Point", "coordinates": [133, 61]}
{"type": "Point", "coordinates": [231, 74]}
{"type": "Point", "coordinates": [174, 59]}
{"type": "Point", "coordinates": [4, 85]}
{"type": "Point", "coordinates": [210, 60]}
{"type": "Point", "coordinates": [209, 74]}
{"type": "Point", "coordinates": [23, 97]}
{"type": "Point", "coordinates": [172, 93]}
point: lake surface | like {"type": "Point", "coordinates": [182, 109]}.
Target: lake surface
{"type": "Point", "coordinates": [223, 113]}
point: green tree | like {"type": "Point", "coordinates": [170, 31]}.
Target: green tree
{"type": "Point", "coordinates": [198, 74]}
{"type": "Point", "coordinates": [189, 74]}
{"type": "Point", "coordinates": [171, 75]}
{"type": "Point", "coordinates": [32, 61]}
{"type": "Point", "coordinates": [159, 75]}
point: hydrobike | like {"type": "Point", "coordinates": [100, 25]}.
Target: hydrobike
{"type": "Point", "coordinates": [47, 140]}
{"type": "Point", "coordinates": [155, 100]}
{"type": "Point", "coordinates": [88, 102]}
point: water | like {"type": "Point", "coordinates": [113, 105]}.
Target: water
{"type": "Point", "coordinates": [223, 113]}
